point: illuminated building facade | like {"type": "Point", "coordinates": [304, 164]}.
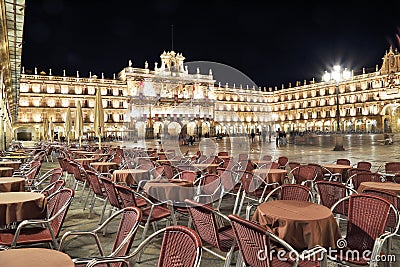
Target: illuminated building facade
{"type": "Point", "coordinates": [169, 100]}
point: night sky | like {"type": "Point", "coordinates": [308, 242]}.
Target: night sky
{"type": "Point", "coordinates": [273, 42]}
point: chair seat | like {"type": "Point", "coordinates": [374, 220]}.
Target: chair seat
{"type": "Point", "coordinates": [226, 237]}
{"type": "Point", "coordinates": [157, 214]}
{"type": "Point", "coordinates": [26, 236]}
{"type": "Point", "coordinates": [140, 202]}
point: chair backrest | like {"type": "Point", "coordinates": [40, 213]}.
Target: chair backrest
{"type": "Point", "coordinates": [304, 173]}
{"type": "Point", "coordinates": [267, 157]}
{"type": "Point", "coordinates": [157, 172]}
{"type": "Point", "coordinates": [293, 164]}
{"type": "Point", "coordinates": [364, 165]}
{"type": "Point", "coordinates": [366, 220]}
{"type": "Point", "coordinates": [229, 179]}
{"type": "Point", "coordinates": [76, 170]}
{"type": "Point", "coordinates": [188, 176]}
{"type": "Point", "coordinates": [251, 239]}
{"type": "Point", "coordinates": [53, 187]}
{"type": "Point", "coordinates": [295, 192]}
{"type": "Point", "coordinates": [331, 192]}
{"type": "Point", "coordinates": [283, 161]}
{"type": "Point", "coordinates": [343, 161]}
{"type": "Point", "coordinates": [126, 195]}
{"type": "Point", "coordinates": [168, 170]}
{"type": "Point", "coordinates": [59, 205]}
{"type": "Point", "coordinates": [392, 197]}
{"type": "Point", "coordinates": [204, 221]}
{"type": "Point", "coordinates": [55, 175]}
{"type": "Point", "coordinates": [94, 182]}
{"type": "Point", "coordinates": [112, 195]}
{"type": "Point", "coordinates": [365, 176]}
{"type": "Point", "coordinates": [128, 225]}
{"type": "Point", "coordinates": [180, 247]}
{"type": "Point", "coordinates": [210, 185]}
{"type": "Point", "coordinates": [392, 167]}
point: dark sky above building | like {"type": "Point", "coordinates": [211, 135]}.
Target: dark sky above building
{"type": "Point", "coordinates": [272, 42]}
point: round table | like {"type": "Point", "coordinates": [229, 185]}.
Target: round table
{"type": "Point", "coordinates": [389, 186]}
{"type": "Point", "coordinates": [10, 163]}
{"type": "Point", "coordinates": [271, 175]}
{"type": "Point", "coordinates": [12, 184]}
{"type": "Point", "coordinates": [175, 190]}
{"type": "Point", "coordinates": [337, 168]}
{"type": "Point", "coordinates": [130, 176]}
{"type": "Point", "coordinates": [85, 161]}
{"type": "Point", "coordinates": [209, 167]}
{"type": "Point", "coordinates": [19, 206]}
{"type": "Point", "coordinates": [104, 167]}
{"type": "Point", "coordinates": [302, 224]}
{"type": "Point", "coordinates": [35, 257]}
{"type": "Point", "coordinates": [21, 158]}
{"type": "Point", "coordinates": [6, 171]}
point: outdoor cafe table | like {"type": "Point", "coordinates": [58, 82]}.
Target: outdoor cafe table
{"type": "Point", "coordinates": [104, 167]}
{"type": "Point", "coordinates": [337, 168]}
{"type": "Point", "coordinates": [19, 206]}
{"type": "Point", "coordinates": [10, 163]}
{"type": "Point", "coordinates": [302, 224]}
{"type": "Point", "coordinates": [389, 186]}
{"type": "Point", "coordinates": [168, 161]}
{"type": "Point", "coordinates": [6, 171]}
{"type": "Point", "coordinates": [85, 161]}
{"type": "Point", "coordinates": [130, 176]}
{"type": "Point", "coordinates": [209, 167]}
{"type": "Point", "coordinates": [12, 184]}
{"type": "Point", "coordinates": [175, 190]}
{"type": "Point", "coordinates": [21, 158]}
{"type": "Point", "coordinates": [271, 175]}
{"type": "Point", "coordinates": [35, 257]}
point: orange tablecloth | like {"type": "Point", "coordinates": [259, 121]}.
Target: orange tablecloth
{"type": "Point", "coordinates": [337, 168]}
{"type": "Point", "coordinates": [35, 257]}
{"type": "Point", "coordinates": [12, 184]}
{"type": "Point", "coordinates": [6, 171]}
{"type": "Point", "coordinates": [390, 186]}
{"type": "Point", "coordinates": [271, 175]}
{"type": "Point", "coordinates": [177, 191]}
{"type": "Point", "coordinates": [19, 206]}
{"type": "Point", "coordinates": [210, 168]}
{"type": "Point", "coordinates": [9, 163]}
{"type": "Point", "coordinates": [104, 167]}
{"type": "Point", "coordinates": [130, 176]}
{"type": "Point", "coordinates": [301, 224]}
{"type": "Point", "coordinates": [86, 161]}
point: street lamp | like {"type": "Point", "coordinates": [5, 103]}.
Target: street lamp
{"type": "Point", "coordinates": [337, 75]}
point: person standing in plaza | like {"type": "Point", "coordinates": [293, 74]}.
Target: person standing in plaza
{"type": "Point", "coordinates": [278, 134]}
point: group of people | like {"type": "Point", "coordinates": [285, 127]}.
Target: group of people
{"type": "Point", "coordinates": [280, 138]}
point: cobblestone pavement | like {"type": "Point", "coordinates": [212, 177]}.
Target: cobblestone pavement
{"type": "Point", "coordinates": [309, 149]}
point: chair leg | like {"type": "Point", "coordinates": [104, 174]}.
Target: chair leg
{"type": "Point", "coordinates": [83, 190]}
{"type": "Point", "coordinates": [229, 257]}
{"type": "Point", "coordinates": [103, 211]}
{"type": "Point", "coordinates": [92, 202]}
{"type": "Point", "coordinates": [87, 198]}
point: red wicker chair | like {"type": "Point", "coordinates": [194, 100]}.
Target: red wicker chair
{"type": "Point", "coordinates": [367, 218]}
{"type": "Point", "coordinates": [355, 180]}
{"type": "Point", "coordinates": [43, 230]}
{"type": "Point", "coordinates": [364, 165]}
{"type": "Point", "coordinates": [180, 247]}
{"type": "Point", "coordinates": [253, 239]}
{"type": "Point", "coordinates": [212, 230]}
{"type": "Point", "coordinates": [291, 192]}
{"type": "Point", "coordinates": [283, 162]}
{"type": "Point", "coordinates": [95, 186]}
{"type": "Point", "coordinates": [152, 212]}
{"type": "Point", "coordinates": [128, 225]}
{"type": "Point", "coordinates": [343, 161]}
{"type": "Point", "coordinates": [112, 195]}
{"type": "Point", "coordinates": [330, 192]}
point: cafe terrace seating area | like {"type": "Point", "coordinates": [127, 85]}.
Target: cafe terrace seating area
{"type": "Point", "coordinates": [88, 206]}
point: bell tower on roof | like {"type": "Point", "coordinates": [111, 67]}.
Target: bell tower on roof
{"type": "Point", "coordinates": [391, 61]}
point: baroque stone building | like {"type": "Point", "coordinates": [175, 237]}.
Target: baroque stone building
{"type": "Point", "coordinates": [169, 100]}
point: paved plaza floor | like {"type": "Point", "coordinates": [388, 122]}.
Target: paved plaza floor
{"type": "Point", "coordinates": [313, 149]}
